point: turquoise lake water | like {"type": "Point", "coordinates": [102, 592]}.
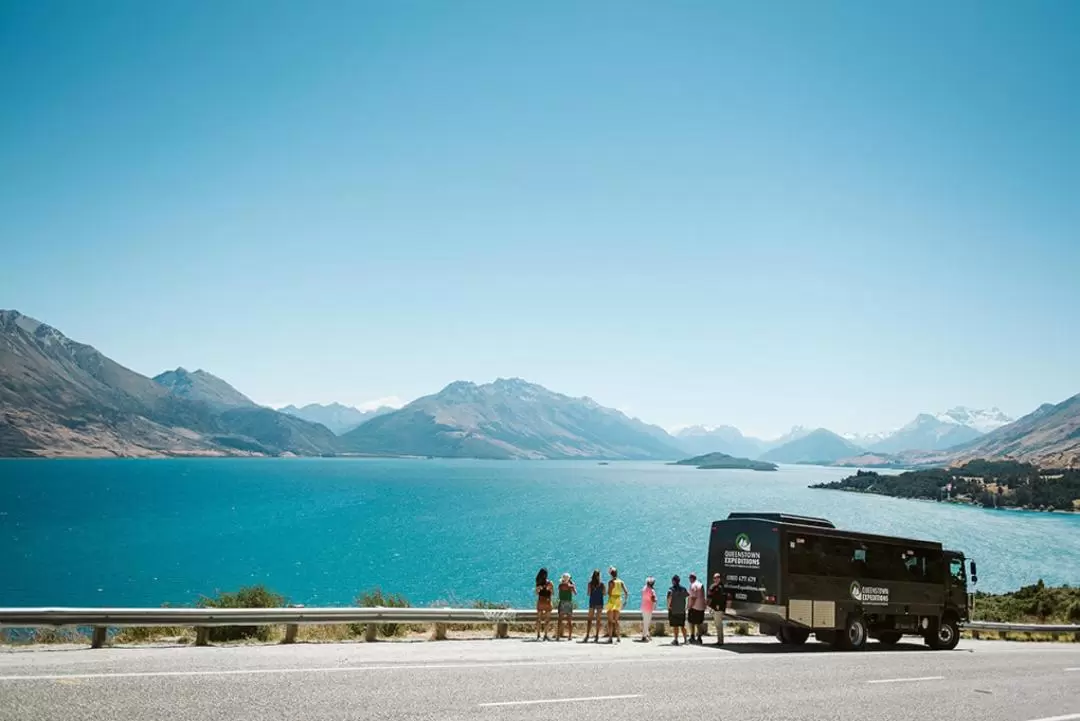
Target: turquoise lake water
{"type": "Point", "coordinates": [145, 532]}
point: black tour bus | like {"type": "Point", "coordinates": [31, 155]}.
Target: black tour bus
{"type": "Point", "coordinates": [796, 575]}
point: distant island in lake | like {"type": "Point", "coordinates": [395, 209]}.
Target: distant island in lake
{"type": "Point", "coordinates": [711, 461]}
{"type": "Point", "coordinates": [991, 484]}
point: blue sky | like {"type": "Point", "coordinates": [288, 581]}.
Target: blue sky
{"type": "Point", "coordinates": [835, 214]}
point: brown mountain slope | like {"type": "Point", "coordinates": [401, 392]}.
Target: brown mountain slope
{"type": "Point", "coordinates": [59, 397]}
{"type": "Point", "coordinates": [1048, 437]}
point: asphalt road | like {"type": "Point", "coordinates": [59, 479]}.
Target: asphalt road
{"type": "Point", "coordinates": [512, 678]}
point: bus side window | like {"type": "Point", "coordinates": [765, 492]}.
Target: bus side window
{"type": "Point", "coordinates": [859, 567]}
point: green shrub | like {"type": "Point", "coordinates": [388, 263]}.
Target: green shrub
{"type": "Point", "coordinates": [375, 598]}
{"type": "Point", "coordinates": [246, 597]}
{"type": "Point", "coordinates": [1037, 603]}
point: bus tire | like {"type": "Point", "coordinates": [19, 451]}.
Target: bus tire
{"type": "Point", "coordinates": [793, 636]}
{"type": "Point", "coordinates": [853, 636]}
{"type": "Point", "coordinates": [945, 635]}
{"type": "Point", "coordinates": [889, 638]}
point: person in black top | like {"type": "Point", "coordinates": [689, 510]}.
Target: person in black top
{"type": "Point", "coordinates": [543, 590]}
{"type": "Point", "coordinates": [718, 602]}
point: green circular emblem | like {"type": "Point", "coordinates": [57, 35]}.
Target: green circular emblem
{"type": "Point", "coordinates": [856, 591]}
{"type": "Point", "coordinates": [742, 542]}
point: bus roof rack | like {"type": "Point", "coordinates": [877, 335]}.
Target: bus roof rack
{"type": "Point", "coordinates": [786, 518]}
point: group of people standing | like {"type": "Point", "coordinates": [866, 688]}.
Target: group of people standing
{"type": "Point", "coordinates": [684, 606]}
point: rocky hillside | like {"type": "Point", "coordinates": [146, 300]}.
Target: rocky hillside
{"type": "Point", "coordinates": [509, 418]}
{"type": "Point", "coordinates": [1048, 437]}
{"type": "Point", "coordinates": [819, 446]}
{"type": "Point", "coordinates": [203, 386]}
{"type": "Point", "coordinates": [59, 397]}
{"type": "Point", "coordinates": [928, 433]}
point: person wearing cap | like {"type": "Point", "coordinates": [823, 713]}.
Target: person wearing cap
{"type": "Point", "coordinates": [567, 591]}
{"type": "Point", "coordinates": [695, 610]}
{"type": "Point", "coordinates": [676, 605]}
{"type": "Point", "coordinates": [717, 602]}
{"type": "Point", "coordinates": [648, 605]}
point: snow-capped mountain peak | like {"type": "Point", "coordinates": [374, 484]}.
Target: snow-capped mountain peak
{"type": "Point", "coordinates": [981, 420]}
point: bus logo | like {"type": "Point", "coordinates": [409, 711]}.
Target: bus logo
{"type": "Point", "coordinates": [856, 591]}
{"type": "Point", "coordinates": [742, 541]}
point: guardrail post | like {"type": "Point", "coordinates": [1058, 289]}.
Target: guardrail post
{"type": "Point", "coordinates": [975, 634]}
{"type": "Point", "coordinates": [292, 629]}
{"type": "Point", "coordinates": [438, 633]}
{"type": "Point", "coordinates": [202, 635]}
{"type": "Point", "coordinates": [371, 632]}
{"type": "Point", "coordinates": [502, 630]}
{"type": "Point", "coordinates": [99, 636]}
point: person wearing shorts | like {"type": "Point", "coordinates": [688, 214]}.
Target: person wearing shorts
{"type": "Point", "coordinates": [695, 611]}
{"type": "Point", "coordinates": [567, 591]}
{"type": "Point", "coordinates": [596, 605]}
{"type": "Point", "coordinates": [677, 596]}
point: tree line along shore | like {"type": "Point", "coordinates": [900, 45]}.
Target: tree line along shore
{"type": "Point", "coordinates": [990, 484]}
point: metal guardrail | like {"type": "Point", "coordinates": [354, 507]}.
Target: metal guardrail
{"type": "Point", "coordinates": [101, 619]}
{"type": "Point", "coordinates": [202, 619]}
{"type": "Point", "coordinates": [1021, 627]}
{"type": "Point", "coordinates": [119, 617]}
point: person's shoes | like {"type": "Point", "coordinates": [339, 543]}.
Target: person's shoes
{"type": "Point", "coordinates": [675, 642]}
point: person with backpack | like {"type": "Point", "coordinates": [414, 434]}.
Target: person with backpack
{"type": "Point", "coordinates": [677, 596]}
{"type": "Point", "coordinates": [567, 591]}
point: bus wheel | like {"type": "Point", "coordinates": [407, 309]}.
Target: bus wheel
{"type": "Point", "coordinates": [794, 636]}
{"type": "Point", "coordinates": [945, 636]}
{"type": "Point", "coordinates": [889, 638]}
{"type": "Point", "coordinates": [853, 637]}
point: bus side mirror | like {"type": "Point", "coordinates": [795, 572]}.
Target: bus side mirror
{"type": "Point", "coordinates": [974, 574]}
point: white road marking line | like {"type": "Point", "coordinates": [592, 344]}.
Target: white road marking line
{"type": "Point", "coordinates": [558, 700]}
{"type": "Point", "coordinates": [908, 680]}
{"type": "Point", "coordinates": [1066, 717]}
{"type": "Point", "coordinates": [352, 669]}
{"type": "Point", "coordinates": [1073, 669]}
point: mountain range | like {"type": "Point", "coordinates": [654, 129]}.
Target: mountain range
{"type": "Point", "coordinates": [59, 397]}
{"type": "Point", "coordinates": [335, 416]}
{"type": "Point", "coordinates": [509, 418]}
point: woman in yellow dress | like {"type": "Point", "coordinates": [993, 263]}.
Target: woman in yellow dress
{"type": "Point", "coordinates": [616, 592]}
